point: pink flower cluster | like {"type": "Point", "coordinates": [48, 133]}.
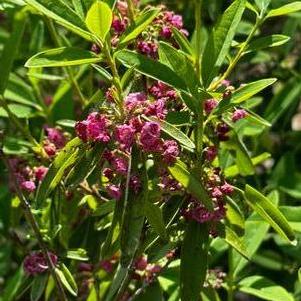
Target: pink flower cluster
{"type": "Point", "coordinates": [54, 141]}
{"type": "Point", "coordinates": [95, 128]}
{"type": "Point", "coordinates": [26, 177]}
{"type": "Point", "coordinates": [36, 263]}
{"type": "Point", "coordinates": [217, 189]}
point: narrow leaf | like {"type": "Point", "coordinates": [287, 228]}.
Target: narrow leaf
{"type": "Point", "coordinates": [67, 279]}
{"type": "Point", "coordinates": [285, 9]}
{"type": "Point", "coordinates": [60, 57]}
{"type": "Point", "coordinates": [267, 42]}
{"type": "Point", "coordinates": [180, 172]}
{"type": "Point", "coordinates": [269, 213]}
{"type": "Point", "coordinates": [38, 287]}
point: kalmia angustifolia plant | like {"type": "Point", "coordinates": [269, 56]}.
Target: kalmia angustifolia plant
{"type": "Point", "coordinates": [152, 177]}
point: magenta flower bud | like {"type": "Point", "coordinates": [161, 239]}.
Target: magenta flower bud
{"type": "Point", "coordinates": [40, 172]}
{"type": "Point", "coordinates": [106, 265]}
{"type": "Point", "coordinates": [210, 153]}
{"type": "Point", "coordinates": [150, 137]}
{"type": "Point", "coordinates": [120, 165]}
{"type": "Point", "coordinates": [35, 263]}
{"type": "Point", "coordinates": [166, 32]}
{"type": "Point", "coordinates": [85, 267]}
{"type": "Point", "coordinates": [238, 114]}
{"type": "Point", "coordinates": [177, 21]}
{"type": "Point", "coordinates": [50, 149]}
{"type": "Point", "coordinates": [125, 135]}
{"type": "Point", "coordinates": [108, 173]}
{"type": "Point", "coordinates": [119, 26]}
{"type": "Point", "coordinates": [227, 189]}
{"type": "Point", "coordinates": [140, 263]}
{"type": "Point", "coordinates": [48, 100]}
{"type": "Point", "coordinates": [81, 130]}
{"type": "Point", "coordinates": [226, 82]}
{"type": "Point", "coordinates": [134, 100]}
{"type": "Point", "coordinates": [210, 105]}
{"type": "Point", "coordinates": [216, 193]}
{"type": "Point", "coordinates": [157, 109]}
{"type": "Point", "coordinates": [95, 49]}
{"type": "Point", "coordinates": [97, 128]}
{"type": "Point", "coordinates": [28, 186]}
{"type": "Point", "coordinates": [56, 137]}
{"type": "Point", "coordinates": [114, 191]}
{"type": "Point", "coordinates": [170, 151]}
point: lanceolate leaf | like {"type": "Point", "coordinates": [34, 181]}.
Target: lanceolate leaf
{"type": "Point", "coordinates": [194, 256]}
{"type": "Point", "coordinates": [10, 49]}
{"type": "Point", "coordinates": [269, 213]}
{"type": "Point", "coordinates": [61, 13]}
{"type": "Point", "coordinates": [244, 93]}
{"type": "Point", "coordinates": [56, 170]}
{"type": "Point", "coordinates": [99, 19]}
{"type": "Point", "coordinates": [269, 41]}
{"type": "Point", "coordinates": [220, 40]}
{"type": "Point", "coordinates": [264, 289]}
{"type": "Point", "coordinates": [155, 218]}
{"type": "Point", "coordinates": [174, 132]}
{"type": "Point", "coordinates": [67, 279]}
{"type": "Point", "coordinates": [140, 24]}
{"type": "Point", "coordinates": [60, 57]}
{"type": "Point", "coordinates": [285, 9]}
{"type": "Point", "coordinates": [150, 68]}
{"type": "Point", "coordinates": [38, 287]}
{"type": "Point", "coordinates": [182, 41]}
{"type": "Point", "coordinates": [180, 172]}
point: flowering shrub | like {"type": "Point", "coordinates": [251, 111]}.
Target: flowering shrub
{"type": "Point", "coordinates": [135, 167]}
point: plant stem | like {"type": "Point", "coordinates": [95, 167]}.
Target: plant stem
{"type": "Point", "coordinates": [67, 70]}
{"type": "Point", "coordinates": [131, 10]}
{"type": "Point", "coordinates": [230, 275]}
{"type": "Point", "coordinates": [239, 54]}
{"type": "Point", "coordinates": [35, 227]}
{"type": "Point", "coordinates": [198, 24]}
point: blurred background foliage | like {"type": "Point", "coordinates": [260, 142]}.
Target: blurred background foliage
{"type": "Point", "coordinates": [280, 105]}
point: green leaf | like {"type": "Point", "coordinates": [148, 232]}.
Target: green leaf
{"type": "Point", "coordinates": [66, 157]}
{"type": "Point", "coordinates": [233, 171]}
{"type": "Point", "coordinates": [77, 254]}
{"type": "Point", "coordinates": [155, 218]}
{"type": "Point", "coordinates": [151, 68]}
{"type": "Point", "coordinates": [173, 132]}
{"type": "Point", "coordinates": [220, 40]}
{"type": "Point", "coordinates": [103, 72]}
{"type": "Point", "coordinates": [262, 4]}
{"type": "Point", "coordinates": [10, 49]}
{"type": "Point", "coordinates": [244, 93]}
{"type": "Point", "coordinates": [67, 279]}
{"type": "Point", "coordinates": [180, 172]}
{"type": "Point", "coordinates": [85, 165]}
{"type": "Point", "coordinates": [267, 42]}
{"type": "Point", "coordinates": [63, 14]}
{"type": "Point", "coordinates": [237, 243]}
{"type": "Point", "coordinates": [119, 276]}
{"type": "Point", "coordinates": [264, 288]}
{"type": "Point", "coordinates": [285, 9]}
{"type": "Point", "coordinates": [182, 41]}
{"type": "Point", "coordinates": [194, 257]}
{"type": "Point", "coordinates": [134, 30]}
{"type": "Point", "coordinates": [38, 287]}
{"type": "Point", "coordinates": [99, 19]}
{"type": "Point", "coordinates": [269, 213]}
{"type": "Point", "coordinates": [18, 110]}
{"type": "Point", "coordinates": [63, 56]}
{"type": "Point", "coordinates": [255, 233]}
{"type": "Point", "coordinates": [105, 208]}
{"type": "Point", "coordinates": [13, 285]}
{"type": "Point", "coordinates": [151, 293]}
{"type": "Point", "coordinates": [287, 97]}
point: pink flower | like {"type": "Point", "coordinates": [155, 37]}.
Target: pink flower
{"type": "Point", "coordinates": [238, 114]}
{"type": "Point", "coordinates": [36, 263]}
{"type": "Point", "coordinates": [170, 151]}
{"type": "Point", "coordinates": [148, 48]}
{"type": "Point", "coordinates": [177, 21]}
{"type": "Point", "coordinates": [119, 26]}
{"type": "Point", "coordinates": [56, 137]}
{"type": "Point", "coordinates": [28, 186]}
{"type": "Point", "coordinates": [210, 153]}
{"type": "Point", "coordinates": [166, 32]}
{"type": "Point", "coordinates": [95, 49]}
{"type": "Point", "coordinates": [40, 172]}
{"type": "Point", "coordinates": [161, 90]}
{"type": "Point", "coordinates": [120, 165]}
{"type": "Point", "coordinates": [134, 100]}
{"type": "Point", "coordinates": [140, 263]}
{"type": "Point", "coordinates": [227, 189]}
{"type": "Point", "coordinates": [94, 128]}
{"type": "Point", "coordinates": [125, 135]}
{"type": "Point", "coordinates": [107, 266]}
{"type": "Point", "coordinates": [108, 173]}
{"type": "Point", "coordinates": [157, 109]}
{"type": "Point", "coordinates": [49, 148]}
{"type": "Point", "coordinates": [210, 105]}
{"type": "Point", "coordinates": [150, 137]}
{"type": "Point", "coordinates": [114, 191]}
{"type": "Point", "coordinates": [216, 193]}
